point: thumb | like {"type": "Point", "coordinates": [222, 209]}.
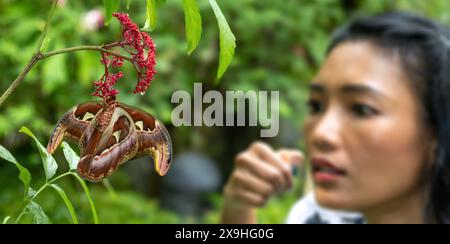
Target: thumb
{"type": "Point", "coordinates": [291, 156]}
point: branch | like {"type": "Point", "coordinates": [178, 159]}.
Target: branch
{"type": "Point", "coordinates": [46, 27]}
{"type": "Point", "coordinates": [82, 48]}
{"type": "Point", "coordinates": [34, 59]}
{"type": "Point", "coordinates": [40, 56]}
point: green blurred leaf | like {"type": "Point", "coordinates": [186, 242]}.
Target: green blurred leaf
{"type": "Point", "coordinates": [150, 22]}
{"type": "Point", "coordinates": [5, 220]}
{"type": "Point", "coordinates": [128, 4]}
{"type": "Point", "coordinates": [71, 156]}
{"type": "Point", "coordinates": [50, 165]}
{"type": "Point", "coordinates": [227, 40]}
{"type": "Point", "coordinates": [54, 72]}
{"type": "Point", "coordinates": [39, 216]}
{"type": "Point", "coordinates": [193, 21]}
{"type": "Point", "coordinates": [24, 174]}
{"type": "Point", "coordinates": [6, 155]}
{"type": "Point", "coordinates": [88, 195]}
{"type": "Point", "coordinates": [160, 2]}
{"type": "Point", "coordinates": [111, 6]}
{"type": "Point", "coordinates": [88, 67]}
{"type": "Point", "coordinates": [109, 188]}
{"type": "Point", "coordinates": [67, 202]}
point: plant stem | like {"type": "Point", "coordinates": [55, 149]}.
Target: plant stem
{"type": "Point", "coordinates": [19, 78]}
{"type": "Point", "coordinates": [83, 48]}
{"type": "Point", "coordinates": [34, 59]}
{"type": "Point", "coordinates": [47, 184]}
{"type": "Point", "coordinates": [39, 55]}
{"type": "Point", "coordinates": [46, 27]}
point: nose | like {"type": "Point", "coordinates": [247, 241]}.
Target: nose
{"type": "Point", "coordinates": [325, 134]}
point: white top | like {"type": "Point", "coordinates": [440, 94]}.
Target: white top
{"type": "Point", "coordinates": [308, 211]}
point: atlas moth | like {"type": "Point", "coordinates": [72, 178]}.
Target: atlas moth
{"type": "Point", "coordinates": [110, 134]}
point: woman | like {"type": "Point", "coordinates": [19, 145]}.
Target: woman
{"type": "Point", "coordinates": [378, 131]}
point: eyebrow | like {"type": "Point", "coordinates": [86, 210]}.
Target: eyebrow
{"type": "Point", "coordinates": [347, 89]}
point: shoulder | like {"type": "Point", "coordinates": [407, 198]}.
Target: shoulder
{"type": "Point", "coordinates": [308, 211]}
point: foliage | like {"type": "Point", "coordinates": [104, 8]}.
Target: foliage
{"type": "Point", "coordinates": [30, 206]}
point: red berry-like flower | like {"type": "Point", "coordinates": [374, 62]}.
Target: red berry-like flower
{"type": "Point", "coordinates": [142, 50]}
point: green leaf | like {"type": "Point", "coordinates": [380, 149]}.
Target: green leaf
{"type": "Point", "coordinates": [5, 221]}
{"type": "Point", "coordinates": [24, 174]}
{"type": "Point", "coordinates": [39, 216]}
{"type": "Point", "coordinates": [71, 156]}
{"type": "Point", "coordinates": [150, 22]}
{"type": "Point", "coordinates": [67, 202]}
{"type": "Point", "coordinates": [193, 21]}
{"type": "Point", "coordinates": [160, 2]}
{"type": "Point", "coordinates": [88, 195]}
{"type": "Point", "coordinates": [227, 40]}
{"type": "Point", "coordinates": [128, 4]}
{"type": "Point", "coordinates": [50, 165]}
{"type": "Point", "coordinates": [54, 72]}
{"type": "Point", "coordinates": [6, 155]}
{"type": "Point", "coordinates": [111, 6]}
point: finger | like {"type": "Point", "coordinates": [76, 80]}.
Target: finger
{"type": "Point", "coordinates": [248, 181]}
{"type": "Point", "coordinates": [291, 156]}
{"type": "Point", "coordinates": [266, 153]}
{"type": "Point", "coordinates": [247, 198]}
{"type": "Point", "coordinates": [260, 169]}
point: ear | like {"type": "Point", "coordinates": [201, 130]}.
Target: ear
{"type": "Point", "coordinates": [73, 124]}
{"type": "Point", "coordinates": [153, 139]}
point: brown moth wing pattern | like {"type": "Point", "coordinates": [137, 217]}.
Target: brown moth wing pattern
{"type": "Point", "coordinates": [73, 124]}
{"type": "Point", "coordinates": [105, 151]}
{"type": "Point", "coordinates": [110, 136]}
{"type": "Point", "coordinates": [153, 139]}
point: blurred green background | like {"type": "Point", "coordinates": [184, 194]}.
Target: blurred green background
{"type": "Point", "coordinates": [280, 45]}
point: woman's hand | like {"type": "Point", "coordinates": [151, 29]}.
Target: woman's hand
{"type": "Point", "coordinates": [259, 173]}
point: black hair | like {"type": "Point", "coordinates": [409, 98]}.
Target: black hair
{"type": "Point", "coordinates": [424, 49]}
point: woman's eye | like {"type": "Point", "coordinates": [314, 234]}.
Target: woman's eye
{"type": "Point", "coordinates": [362, 110]}
{"type": "Point", "coordinates": [315, 106]}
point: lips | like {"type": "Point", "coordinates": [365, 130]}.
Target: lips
{"type": "Point", "coordinates": [326, 171]}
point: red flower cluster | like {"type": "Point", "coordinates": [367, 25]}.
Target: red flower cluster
{"type": "Point", "coordinates": [142, 50]}
{"type": "Point", "coordinates": [104, 86]}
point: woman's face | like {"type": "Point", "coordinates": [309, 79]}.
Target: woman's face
{"type": "Point", "coordinates": [365, 136]}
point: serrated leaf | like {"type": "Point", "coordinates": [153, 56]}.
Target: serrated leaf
{"type": "Point", "coordinates": [49, 163]}
{"type": "Point", "coordinates": [5, 220]}
{"type": "Point", "coordinates": [193, 21]}
{"type": "Point", "coordinates": [24, 174]}
{"type": "Point", "coordinates": [71, 156]}
{"type": "Point", "coordinates": [67, 202]}
{"type": "Point", "coordinates": [111, 6]}
{"type": "Point", "coordinates": [39, 216]}
{"type": "Point", "coordinates": [227, 40]}
{"type": "Point", "coordinates": [150, 22]}
{"type": "Point", "coordinates": [88, 195]}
